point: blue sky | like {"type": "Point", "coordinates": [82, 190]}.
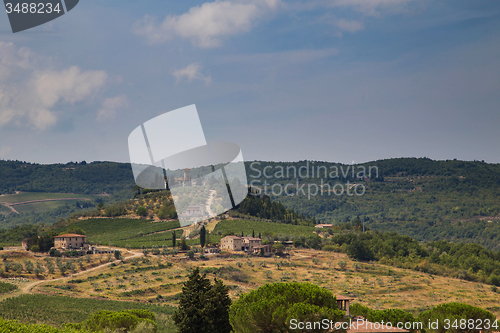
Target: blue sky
{"type": "Point", "coordinates": [330, 80]}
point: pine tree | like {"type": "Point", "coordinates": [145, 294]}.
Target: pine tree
{"type": "Point", "coordinates": [202, 236]}
{"type": "Point", "coordinates": [203, 307]}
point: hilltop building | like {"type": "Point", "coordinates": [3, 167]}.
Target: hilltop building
{"type": "Point", "coordinates": [247, 244]}
{"type": "Point", "coordinates": [70, 241]}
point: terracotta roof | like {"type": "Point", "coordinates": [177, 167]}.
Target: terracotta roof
{"type": "Point", "coordinates": [232, 237]}
{"type": "Point", "coordinates": [365, 326]}
{"type": "Point", "coordinates": [70, 235]}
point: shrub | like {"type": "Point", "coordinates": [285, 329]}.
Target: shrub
{"type": "Point", "coordinates": [273, 305]}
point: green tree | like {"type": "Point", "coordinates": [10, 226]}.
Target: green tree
{"type": "Point", "coordinates": [28, 266]}
{"type": "Point", "coordinates": [360, 250]}
{"type": "Point", "coordinates": [173, 238]}
{"type": "Point", "coordinates": [278, 247]}
{"type": "Point", "coordinates": [270, 308]}
{"type": "Point", "coordinates": [202, 236]}
{"type": "Point", "coordinates": [183, 245]}
{"type": "Point", "coordinates": [142, 211]}
{"type": "Point", "coordinates": [203, 307]}
{"type": "Point", "coordinates": [457, 311]}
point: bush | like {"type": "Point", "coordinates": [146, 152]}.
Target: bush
{"type": "Point", "coordinates": [142, 211]}
{"type": "Point", "coordinates": [273, 305]}
{"type": "Point", "coordinates": [455, 311]}
{"type": "Point", "coordinates": [126, 320]}
{"type": "Point", "coordinates": [54, 253]}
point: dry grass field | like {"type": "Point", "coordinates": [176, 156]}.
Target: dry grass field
{"type": "Point", "coordinates": [159, 279]}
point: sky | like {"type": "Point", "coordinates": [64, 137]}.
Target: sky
{"type": "Point", "coordinates": [287, 80]}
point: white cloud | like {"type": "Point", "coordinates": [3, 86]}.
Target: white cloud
{"type": "Point", "coordinates": [12, 57]}
{"type": "Point", "coordinates": [206, 25]}
{"type": "Point", "coordinates": [348, 25]}
{"type": "Point", "coordinates": [30, 99]}
{"type": "Point", "coordinates": [191, 72]}
{"type": "Point", "coordinates": [4, 151]}
{"type": "Point", "coordinates": [110, 106]}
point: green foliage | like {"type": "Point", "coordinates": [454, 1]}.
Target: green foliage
{"type": "Point", "coordinates": [126, 320]}
{"type": "Point", "coordinates": [203, 307]}
{"type": "Point", "coordinates": [73, 229]}
{"type": "Point", "coordinates": [202, 236]}
{"type": "Point", "coordinates": [6, 287]}
{"type": "Point", "coordinates": [393, 316]}
{"type": "Point", "coordinates": [268, 230]}
{"type": "Point", "coordinates": [183, 245]}
{"type": "Point", "coordinates": [360, 250]}
{"type": "Point", "coordinates": [456, 311]}
{"type": "Point", "coordinates": [12, 326]}
{"type": "Point", "coordinates": [266, 209]}
{"type": "Point", "coordinates": [59, 310]}
{"type": "Point", "coordinates": [425, 199]}
{"type": "Point", "coordinates": [271, 307]}
{"type": "Point", "coordinates": [122, 232]}
{"type": "Point", "coordinates": [464, 261]}
{"type": "Point", "coordinates": [142, 211]}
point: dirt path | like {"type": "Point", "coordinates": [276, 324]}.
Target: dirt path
{"type": "Point", "coordinates": [28, 288]}
{"type": "Point", "coordinates": [210, 201]}
{"type": "Point", "coordinates": [9, 206]}
{"type": "Point", "coordinates": [41, 200]}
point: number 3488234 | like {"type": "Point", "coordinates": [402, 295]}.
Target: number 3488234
{"type": "Point", "coordinates": [32, 8]}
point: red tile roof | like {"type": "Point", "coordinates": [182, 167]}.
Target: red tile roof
{"type": "Point", "coordinates": [70, 235]}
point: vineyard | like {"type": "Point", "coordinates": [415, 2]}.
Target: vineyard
{"type": "Point", "coordinates": [126, 232]}
{"type": "Point", "coordinates": [264, 228]}
{"type": "Point", "coordinates": [59, 310]}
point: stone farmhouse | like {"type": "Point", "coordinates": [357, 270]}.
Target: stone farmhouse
{"type": "Point", "coordinates": [246, 244]}
{"type": "Point", "coordinates": [70, 241]}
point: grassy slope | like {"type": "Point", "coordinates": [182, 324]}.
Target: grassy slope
{"type": "Point", "coordinates": [246, 226]}
{"type": "Point", "coordinates": [30, 196]}
{"type": "Point", "coordinates": [375, 285]}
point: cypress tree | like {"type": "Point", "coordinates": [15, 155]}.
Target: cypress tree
{"type": "Point", "coordinates": [173, 239]}
{"type": "Point", "coordinates": [203, 307]}
{"type": "Point", "coordinates": [202, 236]}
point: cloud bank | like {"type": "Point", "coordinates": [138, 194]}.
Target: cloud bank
{"type": "Point", "coordinates": [208, 24]}
{"type": "Point", "coordinates": [31, 98]}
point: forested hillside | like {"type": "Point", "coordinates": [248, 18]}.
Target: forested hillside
{"type": "Point", "coordinates": [83, 178]}
{"type": "Point", "coordinates": [429, 200]}
{"type": "Point", "coordinates": [426, 199]}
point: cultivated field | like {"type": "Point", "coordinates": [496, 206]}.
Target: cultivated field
{"type": "Point", "coordinates": [158, 280]}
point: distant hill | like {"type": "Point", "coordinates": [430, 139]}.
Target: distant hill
{"type": "Point", "coordinates": [429, 200]}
